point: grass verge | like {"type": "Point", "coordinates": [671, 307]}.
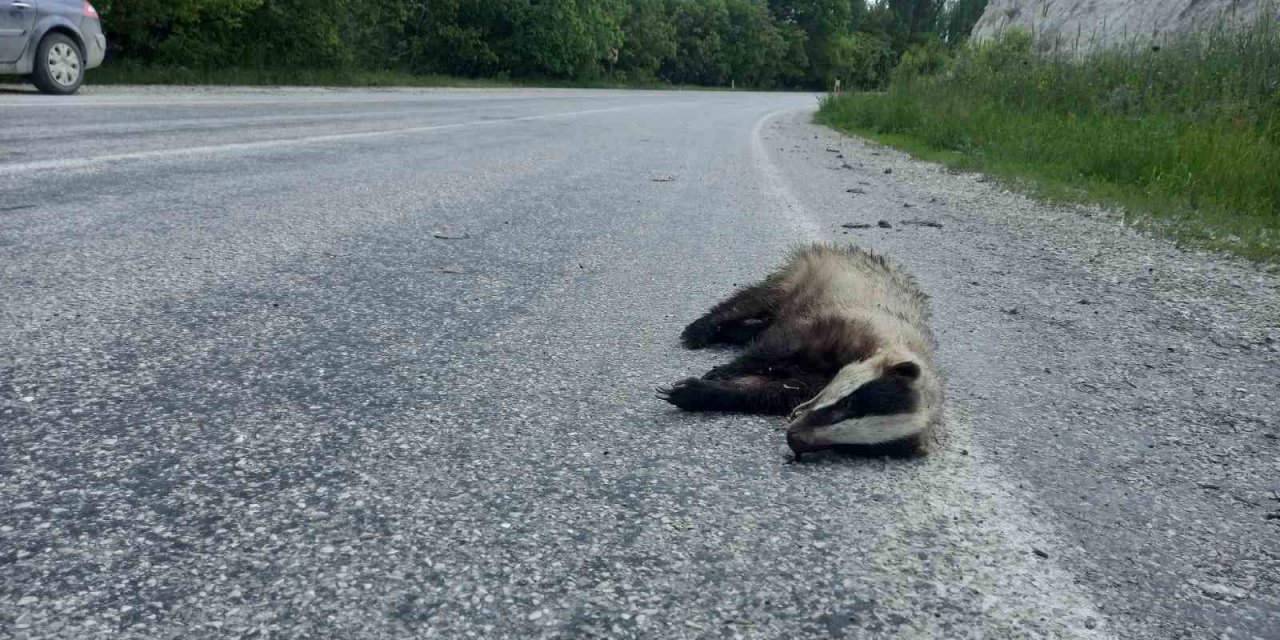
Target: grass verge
{"type": "Point", "coordinates": [1185, 139]}
{"type": "Point", "coordinates": [125, 72]}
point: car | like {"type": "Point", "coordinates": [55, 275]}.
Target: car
{"type": "Point", "coordinates": [50, 42]}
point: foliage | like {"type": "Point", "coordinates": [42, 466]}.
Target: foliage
{"type": "Point", "coordinates": [1189, 133]}
{"type": "Point", "coordinates": [930, 58]}
{"type": "Point", "coordinates": [957, 20]}
{"type": "Point", "coordinates": [699, 59]}
{"type": "Point", "coordinates": [649, 39]}
{"type": "Point", "coordinates": [746, 43]}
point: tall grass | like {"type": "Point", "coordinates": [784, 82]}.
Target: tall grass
{"type": "Point", "coordinates": [1187, 135]}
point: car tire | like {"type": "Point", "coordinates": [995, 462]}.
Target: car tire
{"type": "Point", "coordinates": [59, 65]}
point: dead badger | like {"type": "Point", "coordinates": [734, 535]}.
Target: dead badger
{"type": "Point", "coordinates": [837, 339]}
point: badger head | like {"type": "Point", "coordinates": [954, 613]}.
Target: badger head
{"type": "Point", "coordinates": [870, 402]}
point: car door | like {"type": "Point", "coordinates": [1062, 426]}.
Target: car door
{"type": "Point", "coordinates": [16, 19]}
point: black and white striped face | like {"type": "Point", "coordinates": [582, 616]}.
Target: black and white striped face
{"type": "Point", "coordinates": [870, 402]}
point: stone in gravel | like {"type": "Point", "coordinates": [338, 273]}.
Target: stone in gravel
{"type": "Point", "coordinates": [1090, 623]}
{"type": "Point", "coordinates": [1222, 591]}
{"type": "Point", "coordinates": [451, 234]}
{"type": "Point", "coordinates": [1013, 311]}
{"type": "Point", "coordinates": [856, 225]}
{"type": "Point", "coordinates": [923, 223]}
{"type": "Point", "coordinates": [663, 178]}
{"type": "Point", "coordinates": [888, 170]}
{"type": "Point", "coordinates": [1039, 552]}
{"type": "Point", "coordinates": [833, 150]}
{"type": "Point", "coordinates": [907, 205]}
{"type": "Point", "coordinates": [855, 191]}
{"type": "Point", "coordinates": [884, 224]}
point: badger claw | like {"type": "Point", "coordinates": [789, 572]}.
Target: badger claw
{"type": "Point", "coordinates": [689, 394]}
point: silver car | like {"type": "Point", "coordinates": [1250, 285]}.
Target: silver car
{"type": "Point", "coordinates": [51, 42]}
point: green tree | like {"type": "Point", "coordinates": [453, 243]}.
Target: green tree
{"type": "Point", "coordinates": [827, 26]}
{"type": "Point", "coordinates": [913, 22]}
{"type": "Point", "coordinates": [648, 39]}
{"type": "Point", "coordinates": [380, 32]}
{"type": "Point", "coordinates": [566, 38]}
{"type": "Point", "coordinates": [864, 60]}
{"type": "Point", "coordinates": [959, 18]}
{"type": "Point", "coordinates": [192, 32]}
{"type": "Point", "coordinates": [699, 55]}
{"type": "Point", "coordinates": [296, 33]}
{"type": "Point", "coordinates": [752, 43]}
{"type": "Point", "coordinates": [468, 38]}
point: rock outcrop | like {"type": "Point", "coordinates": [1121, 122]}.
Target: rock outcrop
{"type": "Point", "coordinates": [1081, 26]}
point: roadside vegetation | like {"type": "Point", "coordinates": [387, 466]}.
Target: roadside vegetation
{"type": "Point", "coordinates": [759, 44]}
{"type": "Point", "coordinates": [1184, 137]}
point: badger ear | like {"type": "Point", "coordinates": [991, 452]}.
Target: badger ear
{"type": "Point", "coordinates": [906, 369]}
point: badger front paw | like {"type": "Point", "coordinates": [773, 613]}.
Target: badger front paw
{"type": "Point", "coordinates": [690, 394]}
{"type": "Point", "coordinates": [699, 333]}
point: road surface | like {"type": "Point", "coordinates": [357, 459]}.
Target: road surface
{"type": "Point", "coordinates": [377, 364]}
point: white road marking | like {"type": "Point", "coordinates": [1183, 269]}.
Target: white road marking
{"type": "Point", "coordinates": [1000, 522]}
{"type": "Point", "coordinates": [301, 99]}
{"type": "Point", "coordinates": [805, 224]}
{"type": "Point", "coordinates": [79, 163]}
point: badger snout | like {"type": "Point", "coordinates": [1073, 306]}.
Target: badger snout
{"type": "Point", "coordinates": [801, 441]}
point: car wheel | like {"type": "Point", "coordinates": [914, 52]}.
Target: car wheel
{"type": "Point", "coordinates": [59, 65]}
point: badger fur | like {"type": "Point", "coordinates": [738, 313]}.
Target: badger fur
{"type": "Point", "coordinates": [837, 339]}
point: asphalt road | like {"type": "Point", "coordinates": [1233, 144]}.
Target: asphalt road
{"type": "Point", "coordinates": [248, 390]}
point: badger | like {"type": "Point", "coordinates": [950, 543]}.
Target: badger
{"type": "Point", "coordinates": [837, 339]}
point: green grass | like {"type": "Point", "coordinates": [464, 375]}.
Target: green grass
{"type": "Point", "coordinates": [125, 72]}
{"type": "Point", "coordinates": [1185, 139]}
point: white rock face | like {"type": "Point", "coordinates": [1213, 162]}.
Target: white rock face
{"type": "Point", "coordinates": [1080, 26]}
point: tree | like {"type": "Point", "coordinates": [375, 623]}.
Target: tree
{"type": "Point", "coordinates": [753, 42]}
{"type": "Point", "coordinates": [826, 24]}
{"type": "Point", "coordinates": [296, 33]}
{"type": "Point", "coordinates": [566, 38]}
{"type": "Point", "coordinates": [959, 18]}
{"type": "Point", "coordinates": [757, 43]}
{"type": "Point", "coordinates": [648, 39]}
{"type": "Point", "coordinates": [913, 22]}
{"type": "Point", "coordinates": [699, 55]}
{"type": "Point", "coordinates": [195, 32]}
{"type": "Point", "coordinates": [464, 37]}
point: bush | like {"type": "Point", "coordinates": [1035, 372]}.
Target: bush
{"type": "Point", "coordinates": [927, 59]}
